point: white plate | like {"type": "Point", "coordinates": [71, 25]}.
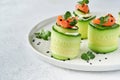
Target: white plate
{"type": "Point", "coordinates": [102, 62]}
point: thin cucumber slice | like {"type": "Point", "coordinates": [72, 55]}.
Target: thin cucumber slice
{"type": "Point", "coordinates": [78, 13]}
{"type": "Point", "coordinates": [83, 27]}
{"type": "Point", "coordinates": [103, 40]}
{"type": "Point", "coordinates": [64, 46]}
{"type": "Point", "coordinates": [66, 30]}
{"type": "Point", "coordinates": [99, 27]}
{"type": "Point", "coordinates": [83, 19]}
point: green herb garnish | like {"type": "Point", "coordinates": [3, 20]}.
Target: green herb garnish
{"type": "Point", "coordinates": [74, 14]}
{"type": "Point", "coordinates": [91, 55]}
{"type": "Point", "coordinates": [103, 19]}
{"type": "Point", "coordinates": [87, 56]}
{"type": "Point", "coordinates": [84, 56]}
{"type": "Point", "coordinates": [67, 15]}
{"type": "Point", "coordinates": [73, 23]}
{"type": "Point", "coordinates": [83, 1]}
{"type": "Point", "coordinates": [43, 35]}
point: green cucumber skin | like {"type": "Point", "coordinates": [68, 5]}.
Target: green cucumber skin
{"type": "Point", "coordinates": [79, 12]}
{"type": "Point", "coordinates": [102, 41]}
{"type": "Point", "coordinates": [99, 27]}
{"type": "Point", "coordinates": [64, 46]}
{"type": "Point", "coordinates": [119, 21]}
{"type": "Point", "coordinates": [64, 30]}
{"type": "Point", "coordinates": [56, 56]}
{"type": "Point", "coordinates": [88, 19]}
{"type": "Point", "coordinates": [83, 29]}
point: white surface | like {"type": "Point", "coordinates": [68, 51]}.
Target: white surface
{"type": "Point", "coordinates": [17, 60]}
{"type": "Point", "coordinates": [109, 64]}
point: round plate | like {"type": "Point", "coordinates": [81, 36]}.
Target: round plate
{"type": "Point", "coordinates": [102, 62]}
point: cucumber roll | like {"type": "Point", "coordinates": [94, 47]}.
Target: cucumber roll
{"type": "Point", "coordinates": [83, 12]}
{"type": "Point", "coordinates": [65, 39]}
{"type": "Point", "coordinates": [103, 34]}
{"type": "Point", "coordinates": [83, 26]}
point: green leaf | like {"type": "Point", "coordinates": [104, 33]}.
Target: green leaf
{"type": "Point", "coordinates": [80, 2]}
{"type": "Point", "coordinates": [45, 37]}
{"type": "Point", "coordinates": [87, 56]}
{"type": "Point", "coordinates": [91, 55]}
{"type": "Point", "coordinates": [84, 56]}
{"type": "Point", "coordinates": [86, 1]}
{"type": "Point", "coordinates": [67, 15]}
{"type": "Point", "coordinates": [43, 34]}
{"type": "Point", "coordinates": [38, 35]}
{"type": "Point", "coordinates": [74, 14]}
{"type": "Point", "coordinates": [83, 1]}
{"type": "Point", "coordinates": [48, 33]}
{"type": "Point", "coordinates": [73, 23]}
{"type": "Point", "coordinates": [106, 18]}
{"type": "Point", "coordinates": [89, 52]}
{"type": "Point", "coordinates": [103, 19]}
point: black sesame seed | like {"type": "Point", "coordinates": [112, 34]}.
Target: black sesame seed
{"type": "Point", "coordinates": [97, 53]}
{"type": "Point", "coordinates": [47, 51]}
{"type": "Point", "coordinates": [99, 60]}
{"type": "Point", "coordinates": [90, 63]}
{"type": "Point", "coordinates": [60, 19]}
{"type": "Point", "coordinates": [105, 57]}
{"type": "Point", "coordinates": [38, 43]}
{"type": "Point", "coordinates": [87, 61]}
{"type": "Point", "coordinates": [63, 60]}
{"type": "Point", "coordinates": [67, 21]}
{"type": "Point", "coordinates": [82, 38]}
{"type": "Point", "coordinates": [111, 20]}
{"type": "Point", "coordinates": [51, 56]}
{"type": "Point", "coordinates": [33, 40]}
{"type": "Point", "coordinates": [68, 58]}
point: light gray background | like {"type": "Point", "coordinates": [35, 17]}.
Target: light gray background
{"type": "Point", "coordinates": [18, 61]}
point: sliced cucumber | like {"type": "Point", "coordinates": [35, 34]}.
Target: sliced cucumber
{"type": "Point", "coordinates": [64, 46]}
{"type": "Point", "coordinates": [99, 27]}
{"type": "Point", "coordinates": [78, 13]}
{"type": "Point", "coordinates": [64, 30]}
{"type": "Point", "coordinates": [119, 21]}
{"type": "Point", "coordinates": [103, 39]}
{"type": "Point", "coordinates": [89, 18]}
{"type": "Point", "coordinates": [83, 23]}
{"type": "Point", "coordinates": [83, 27]}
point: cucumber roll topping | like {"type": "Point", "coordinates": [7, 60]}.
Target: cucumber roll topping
{"type": "Point", "coordinates": [82, 6]}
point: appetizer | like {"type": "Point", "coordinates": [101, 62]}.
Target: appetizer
{"type": "Point", "coordinates": [103, 34]}
{"type": "Point", "coordinates": [82, 11]}
{"type": "Point", "coordinates": [65, 39]}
